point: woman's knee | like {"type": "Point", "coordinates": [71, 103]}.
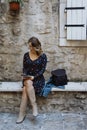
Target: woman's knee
{"type": "Point", "coordinates": [28, 83]}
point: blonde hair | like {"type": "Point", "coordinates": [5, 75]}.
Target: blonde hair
{"type": "Point", "coordinates": [36, 44]}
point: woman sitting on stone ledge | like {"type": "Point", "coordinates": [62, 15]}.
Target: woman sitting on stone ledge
{"type": "Point", "coordinates": [34, 64]}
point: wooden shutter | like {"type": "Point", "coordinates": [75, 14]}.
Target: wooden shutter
{"type": "Point", "coordinates": [76, 19]}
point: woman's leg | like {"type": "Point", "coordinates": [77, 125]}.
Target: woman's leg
{"type": "Point", "coordinates": [23, 106]}
{"type": "Point", "coordinates": [31, 95]}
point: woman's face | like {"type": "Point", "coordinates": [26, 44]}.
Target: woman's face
{"type": "Point", "coordinates": [31, 47]}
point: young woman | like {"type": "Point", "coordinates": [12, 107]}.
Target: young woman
{"type": "Point", "coordinates": [34, 65]}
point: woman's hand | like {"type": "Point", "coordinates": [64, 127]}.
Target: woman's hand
{"type": "Point", "coordinates": [29, 78]}
{"type": "Point", "coordinates": [32, 78]}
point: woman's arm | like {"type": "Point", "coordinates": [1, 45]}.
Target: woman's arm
{"type": "Point", "coordinates": [24, 62]}
{"type": "Point", "coordinates": [43, 66]}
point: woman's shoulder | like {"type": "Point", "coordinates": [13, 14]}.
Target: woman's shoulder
{"type": "Point", "coordinates": [43, 55]}
{"type": "Point", "coordinates": [26, 53]}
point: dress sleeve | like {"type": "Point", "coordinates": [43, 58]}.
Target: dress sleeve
{"type": "Point", "coordinates": [24, 69]}
{"type": "Point", "coordinates": [43, 66]}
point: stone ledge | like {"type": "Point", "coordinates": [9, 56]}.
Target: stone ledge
{"type": "Point", "coordinates": [17, 87]}
{"type": "Point", "coordinates": [73, 86]}
{"type": "Point", "coordinates": [10, 86]}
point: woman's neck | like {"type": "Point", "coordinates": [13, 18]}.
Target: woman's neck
{"type": "Point", "coordinates": [33, 55]}
{"type": "Point", "coordinates": [33, 52]}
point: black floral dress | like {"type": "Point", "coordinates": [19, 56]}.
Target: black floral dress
{"type": "Point", "coordinates": [35, 68]}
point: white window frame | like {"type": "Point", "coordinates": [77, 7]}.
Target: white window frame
{"type": "Point", "coordinates": [62, 31]}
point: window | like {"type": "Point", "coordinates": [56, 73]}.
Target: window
{"type": "Point", "coordinates": [76, 20]}
{"type": "Point", "coordinates": [73, 17]}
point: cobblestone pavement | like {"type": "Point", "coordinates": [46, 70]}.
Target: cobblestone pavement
{"type": "Point", "coordinates": [47, 121]}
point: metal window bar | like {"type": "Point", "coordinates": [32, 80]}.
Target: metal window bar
{"type": "Point", "coordinates": [74, 8]}
{"type": "Point", "coordinates": [74, 25]}
{"type": "Point", "coordinates": [71, 8]}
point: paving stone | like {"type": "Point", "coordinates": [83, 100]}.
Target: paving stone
{"type": "Point", "coordinates": [47, 121]}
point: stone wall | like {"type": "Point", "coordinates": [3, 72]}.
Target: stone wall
{"type": "Point", "coordinates": [55, 102]}
{"type": "Point", "coordinates": [38, 18]}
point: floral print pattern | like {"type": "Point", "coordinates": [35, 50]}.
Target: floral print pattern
{"type": "Point", "coordinates": [35, 68]}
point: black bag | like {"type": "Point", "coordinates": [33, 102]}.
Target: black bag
{"type": "Point", "coordinates": [59, 77]}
